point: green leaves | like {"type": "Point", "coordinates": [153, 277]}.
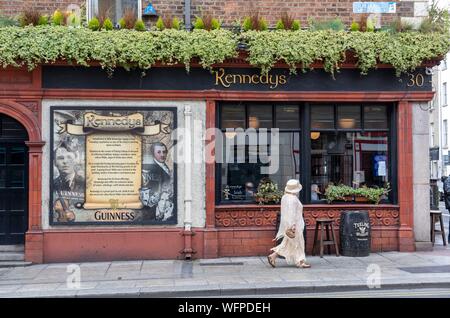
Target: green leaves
{"type": "Point", "coordinates": [32, 46]}
{"type": "Point", "coordinates": [123, 48]}
{"type": "Point", "coordinates": [300, 49]}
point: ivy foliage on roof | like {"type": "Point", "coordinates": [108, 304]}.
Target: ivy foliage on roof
{"type": "Point", "coordinates": [31, 46]}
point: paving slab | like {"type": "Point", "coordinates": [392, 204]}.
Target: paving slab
{"type": "Point", "coordinates": [83, 285]}
{"type": "Point", "coordinates": [38, 287]}
{"type": "Point", "coordinates": [44, 294]}
{"type": "Point", "coordinates": [223, 277]}
{"type": "Point", "coordinates": [116, 284]}
{"type": "Point", "coordinates": [155, 283]}
{"type": "Point", "coordinates": [190, 282]}
{"type": "Point", "coordinates": [8, 289]}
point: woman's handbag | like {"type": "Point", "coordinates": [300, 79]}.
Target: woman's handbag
{"type": "Point", "coordinates": [290, 232]}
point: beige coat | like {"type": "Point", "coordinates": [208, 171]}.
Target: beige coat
{"type": "Point", "coordinates": [291, 214]}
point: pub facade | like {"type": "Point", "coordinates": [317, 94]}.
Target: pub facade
{"type": "Point", "coordinates": [92, 170]}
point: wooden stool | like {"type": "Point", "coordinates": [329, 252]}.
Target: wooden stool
{"type": "Point", "coordinates": [435, 216]}
{"type": "Point", "coordinates": [328, 224]}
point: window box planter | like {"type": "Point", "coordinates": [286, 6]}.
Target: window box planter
{"type": "Point", "coordinates": [361, 199]}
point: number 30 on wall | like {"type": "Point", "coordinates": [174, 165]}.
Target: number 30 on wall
{"type": "Point", "coordinates": [415, 80]}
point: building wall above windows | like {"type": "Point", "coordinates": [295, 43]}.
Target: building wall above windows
{"type": "Point", "coordinates": [228, 11]}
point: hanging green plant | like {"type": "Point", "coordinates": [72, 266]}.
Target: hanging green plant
{"type": "Point", "coordinates": [32, 46]}
{"type": "Point", "coordinates": [404, 51]}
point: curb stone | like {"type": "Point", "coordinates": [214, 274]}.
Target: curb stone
{"type": "Point", "coordinates": [218, 291]}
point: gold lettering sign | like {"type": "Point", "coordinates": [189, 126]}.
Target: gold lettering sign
{"type": "Point", "coordinates": [226, 80]}
{"type": "Point", "coordinates": [92, 120]}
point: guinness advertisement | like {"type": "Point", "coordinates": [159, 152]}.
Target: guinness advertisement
{"type": "Point", "coordinates": [113, 166]}
{"type": "Point", "coordinates": [234, 79]}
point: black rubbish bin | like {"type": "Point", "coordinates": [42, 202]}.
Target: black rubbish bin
{"type": "Point", "coordinates": [354, 233]}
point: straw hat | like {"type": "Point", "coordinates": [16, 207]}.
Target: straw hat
{"type": "Point", "coordinates": [293, 186]}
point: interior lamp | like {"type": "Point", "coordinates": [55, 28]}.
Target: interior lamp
{"type": "Point", "coordinates": [315, 135]}
{"type": "Point", "coordinates": [347, 123]}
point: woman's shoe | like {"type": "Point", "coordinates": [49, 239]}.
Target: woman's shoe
{"type": "Point", "coordinates": [271, 261]}
{"type": "Point", "coordinates": [302, 264]}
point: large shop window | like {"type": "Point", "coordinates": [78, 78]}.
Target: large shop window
{"type": "Point", "coordinates": [240, 172]}
{"type": "Point", "coordinates": [349, 145]}
{"type": "Point", "coordinates": [113, 9]}
{"type": "Point", "coordinates": [318, 144]}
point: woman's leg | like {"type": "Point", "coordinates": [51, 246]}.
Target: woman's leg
{"type": "Point", "coordinates": [272, 258]}
{"type": "Point", "coordinates": [302, 258]}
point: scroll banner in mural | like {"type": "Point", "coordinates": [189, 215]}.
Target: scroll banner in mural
{"type": "Point", "coordinates": [113, 166]}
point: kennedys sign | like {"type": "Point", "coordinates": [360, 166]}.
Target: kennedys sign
{"type": "Point", "coordinates": [233, 79]}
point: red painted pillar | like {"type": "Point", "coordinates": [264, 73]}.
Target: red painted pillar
{"type": "Point", "coordinates": [211, 244]}
{"type": "Point", "coordinates": [34, 244]}
{"type": "Point", "coordinates": [405, 177]}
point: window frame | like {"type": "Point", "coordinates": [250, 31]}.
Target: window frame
{"type": "Point", "coordinates": [444, 94]}
{"type": "Point", "coordinates": [392, 141]}
{"type": "Point", "coordinates": [305, 144]}
{"type": "Point", "coordinates": [445, 133]}
{"type": "Point", "coordinates": [89, 15]}
{"type": "Point", "coordinates": [218, 166]}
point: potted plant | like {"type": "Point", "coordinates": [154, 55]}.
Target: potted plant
{"type": "Point", "coordinates": [372, 195]}
{"type": "Point", "coordinates": [339, 193]}
{"type": "Point", "coordinates": [268, 192]}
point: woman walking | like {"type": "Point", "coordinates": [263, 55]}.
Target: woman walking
{"type": "Point", "coordinates": [292, 247]}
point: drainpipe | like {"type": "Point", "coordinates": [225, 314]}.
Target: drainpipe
{"type": "Point", "coordinates": [187, 144]}
{"type": "Point", "coordinates": [187, 14]}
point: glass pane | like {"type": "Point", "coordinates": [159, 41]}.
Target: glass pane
{"type": "Point", "coordinates": [287, 117]}
{"type": "Point", "coordinates": [4, 199]}
{"type": "Point", "coordinates": [2, 155]}
{"type": "Point", "coordinates": [242, 167]}
{"type": "Point", "coordinates": [289, 160]}
{"type": "Point", "coordinates": [349, 117]}
{"type": "Point", "coordinates": [233, 116]}
{"type": "Point", "coordinates": [322, 117]}
{"type": "Point", "coordinates": [17, 155]}
{"type": "Point", "coordinates": [2, 177]}
{"type": "Point", "coordinates": [10, 129]}
{"type": "Point", "coordinates": [113, 9]}
{"type": "Point", "coordinates": [375, 117]}
{"type": "Point", "coordinates": [17, 223]}
{"type": "Point", "coordinates": [352, 159]}
{"type": "Point", "coordinates": [260, 116]}
{"type": "Point", "coordinates": [18, 200]}
{"type": "Point", "coordinates": [17, 177]}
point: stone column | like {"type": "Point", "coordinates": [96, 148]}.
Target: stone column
{"type": "Point", "coordinates": [421, 176]}
{"type": "Point", "coordinates": [34, 246]}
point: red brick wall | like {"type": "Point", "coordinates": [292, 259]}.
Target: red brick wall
{"type": "Point", "coordinates": [15, 7]}
{"type": "Point", "coordinates": [251, 242]}
{"type": "Point", "coordinates": [229, 11]}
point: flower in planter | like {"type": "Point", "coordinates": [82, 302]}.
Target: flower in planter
{"type": "Point", "coordinates": [268, 192]}
{"type": "Point", "coordinates": [254, 22]}
{"type": "Point", "coordinates": [338, 193]}
{"type": "Point", "coordinates": [206, 22]}
{"type": "Point", "coordinates": [287, 22]}
{"type": "Point", "coordinates": [373, 195]}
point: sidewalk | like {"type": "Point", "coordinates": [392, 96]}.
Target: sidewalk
{"type": "Point", "coordinates": [229, 276]}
